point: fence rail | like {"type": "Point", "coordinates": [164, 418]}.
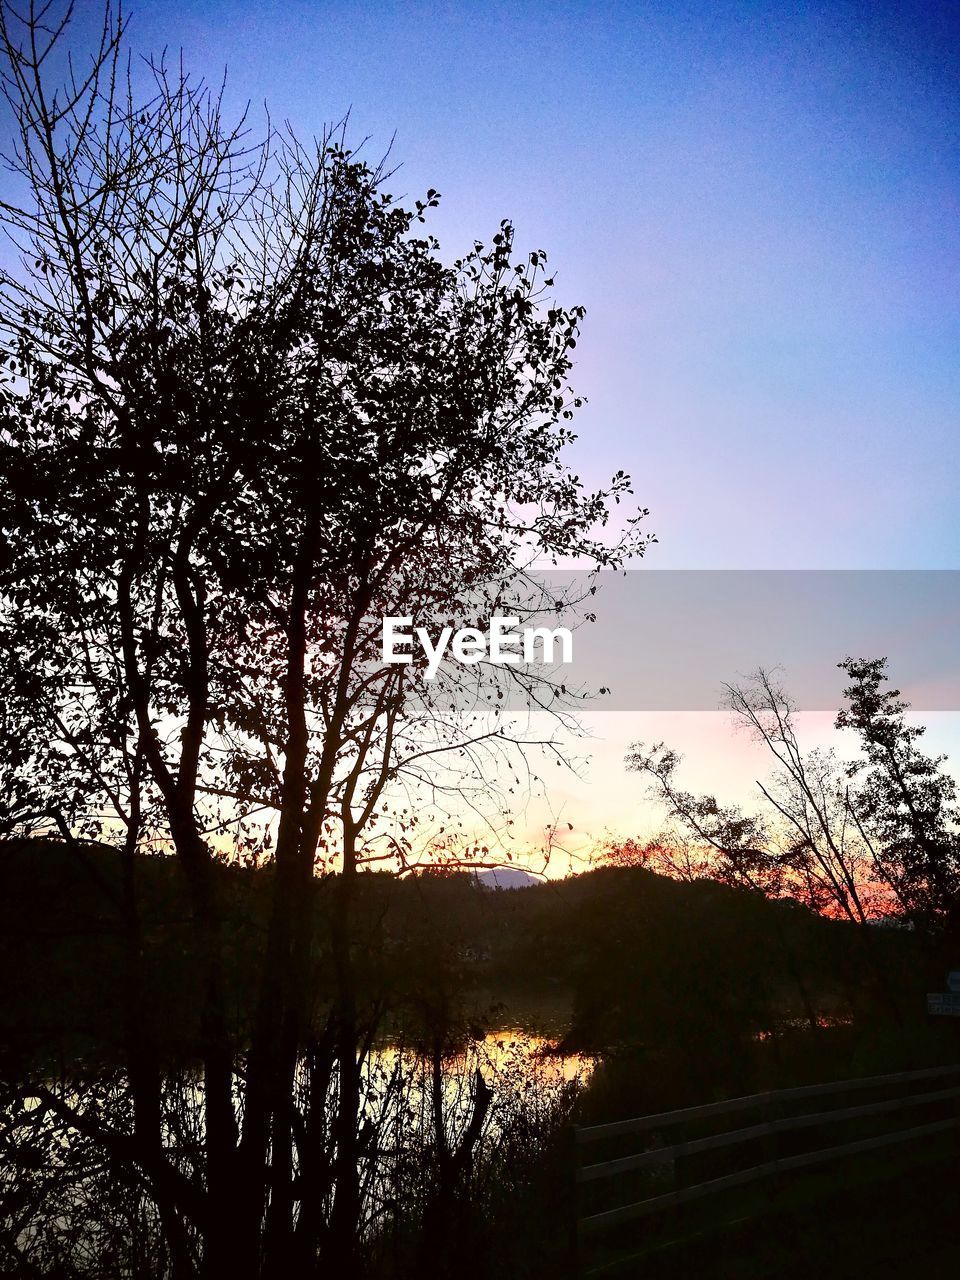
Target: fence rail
{"type": "Point", "coordinates": [910, 1093]}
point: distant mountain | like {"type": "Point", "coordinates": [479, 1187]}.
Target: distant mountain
{"type": "Point", "coordinates": [506, 878]}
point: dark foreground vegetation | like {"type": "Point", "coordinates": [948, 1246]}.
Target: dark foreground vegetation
{"type": "Point", "coordinates": [686, 992]}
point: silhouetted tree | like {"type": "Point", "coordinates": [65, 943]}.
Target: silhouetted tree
{"type": "Point", "coordinates": [904, 801]}
{"type": "Point", "coordinates": [247, 411]}
{"type": "Point", "coordinates": [825, 856]}
{"type": "Point", "coordinates": [809, 842]}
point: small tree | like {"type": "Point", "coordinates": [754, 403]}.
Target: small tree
{"type": "Point", "coordinates": [809, 840]}
{"type": "Point", "coordinates": [707, 839]}
{"type": "Point", "coordinates": [906, 804]}
{"type": "Point", "coordinates": [829, 864]}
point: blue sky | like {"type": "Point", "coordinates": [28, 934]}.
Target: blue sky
{"type": "Point", "coordinates": [756, 202]}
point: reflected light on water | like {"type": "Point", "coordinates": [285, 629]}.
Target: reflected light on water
{"type": "Point", "coordinates": [512, 1047]}
{"type": "Point", "coordinates": [510, 1059]}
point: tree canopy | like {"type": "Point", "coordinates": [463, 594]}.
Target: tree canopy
{"type": "Point", "coordinates": [248, 408]}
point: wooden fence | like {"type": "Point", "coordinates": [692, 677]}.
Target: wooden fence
{"type": "Point", "coordinates": [631, 1186]}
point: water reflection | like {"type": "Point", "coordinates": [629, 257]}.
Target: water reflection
{"type": "Point", "coordinates": [519, 1068]}
{"type": "Point", "coordinates": [493, 1105]}
{"type": "Point", "coordinates": [537, 1057]}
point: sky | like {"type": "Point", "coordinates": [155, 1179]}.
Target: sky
{"type": "Point", "coordinates": [757, 204]}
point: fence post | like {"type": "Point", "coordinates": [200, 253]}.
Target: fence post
{"type": "Point", "coordinates": [577, 1196]}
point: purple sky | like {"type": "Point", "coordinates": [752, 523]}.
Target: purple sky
{"type": "Point", "coordinates": [756, 202]}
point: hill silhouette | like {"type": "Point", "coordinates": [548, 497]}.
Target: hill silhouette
{"type": "Point", "coordinates": [696, 969]}
{"type": "Point", "coordinates": [506, 878]}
